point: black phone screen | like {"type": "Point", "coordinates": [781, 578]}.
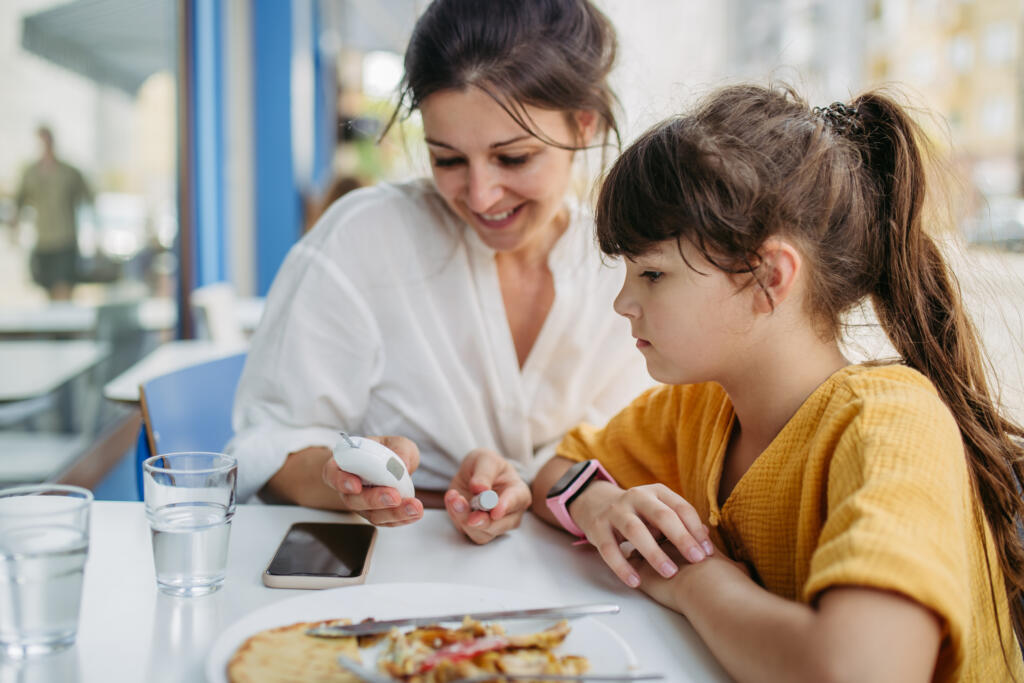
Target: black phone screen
{"type": "Point", "coordinates": [323, 549]}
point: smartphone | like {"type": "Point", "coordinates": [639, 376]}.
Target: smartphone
{"type": "Point", "coordinates": [321, 555]}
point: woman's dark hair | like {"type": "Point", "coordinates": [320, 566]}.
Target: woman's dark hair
{"type": "Point", "coordinates": [549, 54]}
{"type": "Point", "coordinates": [847, 185]}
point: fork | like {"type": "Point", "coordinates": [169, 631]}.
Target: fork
{"type": "Point", "coordinates": [369, 675]}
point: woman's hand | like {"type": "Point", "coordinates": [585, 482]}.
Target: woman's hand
{"type": "Point", "coordinates": [481, 470]}
{"type": "Point", "coordinates": [380, 505]}
{"type": "Point", "coordinates": [642, 516]}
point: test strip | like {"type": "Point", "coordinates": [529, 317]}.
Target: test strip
{"type": "Point", "coordinates": [485, 500]}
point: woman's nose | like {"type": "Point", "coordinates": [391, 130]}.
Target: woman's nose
{"type": "Point", "coordinates": [483, 189]}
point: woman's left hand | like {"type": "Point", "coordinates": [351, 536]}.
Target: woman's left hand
{"type": "Point", "coordinates": [481, 470]}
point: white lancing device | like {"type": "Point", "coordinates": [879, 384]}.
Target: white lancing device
{"type": "Point", "coordinates": [374, 463]}
{"type": "Point", "coordinates": [485, 500]}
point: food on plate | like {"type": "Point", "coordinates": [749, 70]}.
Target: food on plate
{"type": "Point", "coordinates": [431, 654]}
{"type": "Point", "coordinates": [287, 654]}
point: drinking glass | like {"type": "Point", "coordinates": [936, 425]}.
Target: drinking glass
{"type": "Point", "coordinates": [190, 500]}
{"type": "Point", "coordinates": [44, 540]}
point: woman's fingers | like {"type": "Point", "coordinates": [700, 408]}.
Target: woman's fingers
{"type": "Point", "coordinates": [477, 525]}
{"type": "Point", "coordinates": [409, 510]}
{"type": "Point", "coordinates": [404, 448]}
{"type": "Point", "coordinates": [485, 467]}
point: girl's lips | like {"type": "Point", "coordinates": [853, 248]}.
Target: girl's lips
{"type": "Point", "coordinates": [642, 343]}
{"type": "Point", "coordinates": [500, 223]}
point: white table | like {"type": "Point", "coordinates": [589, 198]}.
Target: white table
{"type": "Point", "coordinates": [130, 632]}
{"type": "Point", "coordinates": [167, 357]}
{"type": "Point", "coordinates": [74, 318]}
{"type": "Point", "coordinates": [32, 368]}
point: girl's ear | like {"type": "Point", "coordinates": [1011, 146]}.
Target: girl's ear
{"type": "Point", "coordinates": [586, 124]}
{"type": "Point", "coordinates": [778, 272]}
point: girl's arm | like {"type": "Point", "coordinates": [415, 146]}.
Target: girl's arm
{"type": "Point", "coordinates": [608, 515]}
{"type": "Point", "coordinates": [852, 634]}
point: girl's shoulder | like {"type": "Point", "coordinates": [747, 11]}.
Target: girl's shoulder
{"type": "Point", "coordinates": [895, 407]}
{"type": "Point", "coordinates": [887, 383]}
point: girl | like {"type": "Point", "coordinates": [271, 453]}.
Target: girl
{"type": "Point", "coordinates": [853, 522]}
{"type": "Point", "coordinates": [456, 314]}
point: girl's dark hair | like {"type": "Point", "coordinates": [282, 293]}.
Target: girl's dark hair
{"type": "Point", "coordinates": [847, 185]}
{"type": "Point", "coordinates": [549, 54]}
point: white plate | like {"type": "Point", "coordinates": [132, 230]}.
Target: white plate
{"type": "Point", "coordinates": [607, 652]}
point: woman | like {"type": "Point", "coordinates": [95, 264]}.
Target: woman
{"type": "Point", "coordinates": [469, 317]}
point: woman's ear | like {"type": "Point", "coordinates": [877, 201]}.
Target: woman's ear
{"type": "Point", "coordinates": [586, 126]}
{"type": "Point", "coordinates": [777, 273]}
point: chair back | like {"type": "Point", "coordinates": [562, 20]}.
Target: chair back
{"type": "Point", "coordinates": [189, 409]}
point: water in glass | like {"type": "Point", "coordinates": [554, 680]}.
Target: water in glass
{"type": "Point", "coordinates": [41, 571]}
{"type": "Point", "coordinates": [190, 547]}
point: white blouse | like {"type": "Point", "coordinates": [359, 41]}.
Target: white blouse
{"type": "Point", "coordinates": [388, 318]}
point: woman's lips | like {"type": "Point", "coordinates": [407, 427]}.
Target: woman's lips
{"type": "Point", "coordinates": [498, 220]}
{"type": "Point", "coordinates": [642, 343]}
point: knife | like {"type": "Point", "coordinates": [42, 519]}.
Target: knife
{"type": "Point", "coordinates": [370, 627]}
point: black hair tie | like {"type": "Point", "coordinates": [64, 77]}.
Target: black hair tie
{"type": "Point", "coordinates": [840, 117]}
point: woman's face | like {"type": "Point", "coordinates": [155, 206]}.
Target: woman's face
{"type": "Point", "coordinates": [504, 182]}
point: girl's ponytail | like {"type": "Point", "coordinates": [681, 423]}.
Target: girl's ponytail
{"type": "Point", "coordinates": [917, 300]}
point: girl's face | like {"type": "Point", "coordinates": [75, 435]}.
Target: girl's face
{"type": "Point", "coordinates": [690, 326]}
{"type": "Point", "coordinates": [504, 182]}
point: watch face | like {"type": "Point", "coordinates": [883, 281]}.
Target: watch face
{"type": "Point", "coordinates": [570, 475]}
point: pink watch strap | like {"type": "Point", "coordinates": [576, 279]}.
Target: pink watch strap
{"type": "Point", "coordinates": [559, 505]}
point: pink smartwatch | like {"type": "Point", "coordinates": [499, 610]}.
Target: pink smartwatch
{"type": "Point", "coordinates": [571, 485]}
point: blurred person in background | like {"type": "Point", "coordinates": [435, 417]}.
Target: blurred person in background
{"type": "Point", "coordinates": [55, 189]}
{"type": "Point", "coordinates": [468, 316]}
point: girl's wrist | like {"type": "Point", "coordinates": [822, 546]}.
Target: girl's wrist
{"type": "Point", "coordinates": [592, 499]}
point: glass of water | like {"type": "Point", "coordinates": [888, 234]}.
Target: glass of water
{"type": "Point", "coordinates": [190, 500]}
{"type": "Point", "coordinates": [44, 540]}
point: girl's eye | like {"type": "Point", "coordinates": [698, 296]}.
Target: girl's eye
{"type": "Point", "coordinates": [652, 275]}
{"type": "Point", "coordinates": [514, 161]}
{"type": "Point", "coordinates": [446, 162]}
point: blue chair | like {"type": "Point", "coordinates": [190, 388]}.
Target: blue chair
{"type": "Point", "coordinates": [188, 410]}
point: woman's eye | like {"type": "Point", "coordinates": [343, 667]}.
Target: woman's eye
{"type": "Point", "coordinates": [445, 162]}
{"type": "Point", "coordinates": [652, 275]}
{"type": "Point", "coordinates": [514, 160]}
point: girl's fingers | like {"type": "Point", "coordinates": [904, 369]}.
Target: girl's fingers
{"type": "Point", "coordinates": [634, 531]}
{"type": "Point", "coordinates": [694, 542]}
{"type": "Point", "coordinates": [604, 540]}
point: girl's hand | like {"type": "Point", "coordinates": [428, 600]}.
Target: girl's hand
{"type": "Point", "coordinates": [481, 470]}
{"type": "Point", "coordinates": [641, 515]}
{"type": "Point", "coordinates": [666, 590]}
{"type": "Point", "coordinates": [379, 505]}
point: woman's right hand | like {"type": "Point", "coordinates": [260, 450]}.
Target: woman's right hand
{"type": "Point", "coordinates": [380, 505]}
{"type": "Point", "coordinates": [641, 515]}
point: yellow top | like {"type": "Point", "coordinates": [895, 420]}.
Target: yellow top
{"type": "Point", "coordinates": [867, 484]}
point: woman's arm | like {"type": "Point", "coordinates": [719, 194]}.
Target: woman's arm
{"type": "Point", "coordinates": [852, 634]}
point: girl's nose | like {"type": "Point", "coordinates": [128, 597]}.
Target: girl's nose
{"type": "Point", "coordinates": [625, 305]}
{"type": "Point", "coordinates": [484, 188]}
